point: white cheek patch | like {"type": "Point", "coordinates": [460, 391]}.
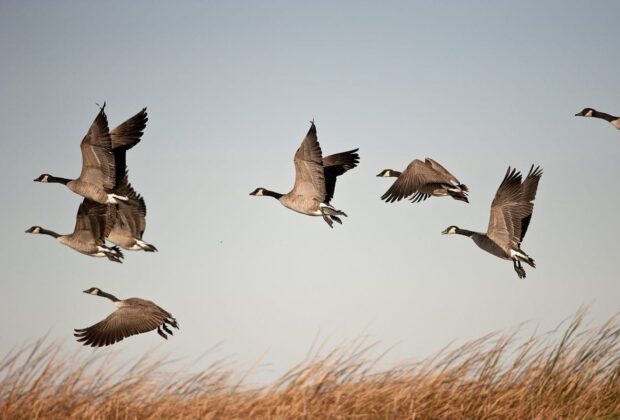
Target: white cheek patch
{"type": "Point", "coordinates": [588, 114]}
{"type": "Point", "coordinates": [616, 123]}
{"type": "Point", "coordinates": [260, 192]}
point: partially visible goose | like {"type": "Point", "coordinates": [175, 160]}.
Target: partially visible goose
{"type": "Point", "coordinates": [315, 180]}
{"type": "Point", "coordinates": [98, 176]}
{"type": "Point", "coordinates": [129, 220]}
{"type": "Point", "coordinates": [92, 223]}
{"type": "Point", "coordinates": [129, 216]}
{"type": "Point", "coordinates": [589, 112]}
{"type": "Point", "coordinates": [511, 213]}
{"type": "Point", "coordinates": [423, 179]}
{"type": "Point", "coordinates": [133, 316]}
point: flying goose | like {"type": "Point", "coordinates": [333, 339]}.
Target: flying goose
{"type": "Point", "coordinates": [98, 176]}
{"type": "Point", "coordinates": [93, 222]}
{"type": "Point", "coordinates": [423, 179]}
{"type": "Point", "coordinates": [129, 216]}
{"type": "Point", "coordinates": [129, 220]}
{"type": "Point", "coordinates": [315, 180]}
{"type": "Point", "coordinates": [589, 112]}
{"type": "Point", "coordinates": [511, 213]}
{"type": "Point", "coordinates": [133, 316]}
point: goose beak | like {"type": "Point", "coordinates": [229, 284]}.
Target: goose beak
{"type": "Point", "coordinates": [36, 180]}
{"type": "Point", "coordinates": [445, 232]}
{"type": "Point", "coordinates": [253, 193]}
{"type": "Point", "coordinates": [578, 114]}
{"type": "Point", "coordinates": [86, 291]}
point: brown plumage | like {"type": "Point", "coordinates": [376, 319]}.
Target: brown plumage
{"type": "Point", "coordinates": [133, 316]}
{"type": "Point", "coordinates": [93, 223]}
{"type": "Point", "coordinates": [511, 213]}
{"type": "Point", "coordinates": [421, 180]}
{"type": "Point", "coordinates": [315, 179]}
{"type": "Point", "coordinates": [129, 220]}
{"type": "Point", "coordinates": [98, 176]}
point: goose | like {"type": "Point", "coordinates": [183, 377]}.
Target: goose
{"type": "Point", "coordinates": [133, 316]}
{"type": "Point", "coordinates": [511, 213]}
{"type": "Point", "coordinates": [97, 179]}
{"type": "Point", "coordinates": [589, 112]}
{"type": "Point", "coordinates": [129, 220]}
{"type": "Point", "coordinates": [423, 179]}
{"type": "Point", "coordinates": [315, 180]}
{"type": "Point", "coordinates": [92, 224]}
{"type": "Point", "coordinates": [129, 216]}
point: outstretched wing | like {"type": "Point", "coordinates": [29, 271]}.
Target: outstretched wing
{"type": "Point", "coordinates": [336, 165]}
{"type": "Point", "coordinates": [124, 137]}
{"type": "Point", "coordinates": [417, 178]}
{"type": "Point", "coordinates": [309, 174]}
{"type": "Point", "coordinates": [512, 207]}
{"type": "Point", "coordinates": [124, 322]}
{"type": "Point", "coordinates": [97, 158]}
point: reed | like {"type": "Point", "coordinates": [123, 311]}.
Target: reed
{"type": "Point", "coordinates": [572, 372]}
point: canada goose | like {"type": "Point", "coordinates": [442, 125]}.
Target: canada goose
{"type": "Point", "coordinates": [129, 220]}
{"type": "Point", "coordinates": [98, 176]}
{"type": "Point", "coordinates": [589, 112]}
{"type": "Point", "coordinates": [423, 179]}
{"type": "Point", "coordinates": [315, 180]}
{"type": "Point", "coordinates": [133, 316]}
{"type": "Point", "coordinates": [92, 223]}
{"type": "Point", "coordinates": [511, 213]}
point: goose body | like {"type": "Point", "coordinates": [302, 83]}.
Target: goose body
{"type": "Point", "coordinates": [93, 222]}
{"type": "Point", "coordinates": [590, 112]}
{"type": "Point", "coordinates": [315, 180]}
{"type": "Point", "coordinates": [511, 212]}
{"type": "Point", "coordinates": [97, 179]}
{"type": "Point", "coordinates": [132, 316]}
{"type": "Point", "coordinates": [421, 180]}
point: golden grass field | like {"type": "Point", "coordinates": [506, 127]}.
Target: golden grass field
{"type": "Point", "coordinates": [573, 372]}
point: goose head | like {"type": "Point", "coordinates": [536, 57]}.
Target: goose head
{"type": "Point", "coordinates": [586, 112]}
{"type": "Point", "coordinates": [43, 178]}
{"type": "Point", "coordinates": [451, 230]}
{"type": "Point", "coordinates": [258, 191]}
{"type": "Point", "coordinates": [388, 173]}
{"type": "Point", "coordinates": [92, 291]}
{"type": "Point", "coordinates": [34, 230]}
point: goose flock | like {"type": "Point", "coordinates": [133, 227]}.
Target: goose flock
{"type": "Point", "coordinates": [113, 211]}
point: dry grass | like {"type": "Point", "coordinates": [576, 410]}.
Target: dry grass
{"type": "Point", "coordinates": [571, 375]}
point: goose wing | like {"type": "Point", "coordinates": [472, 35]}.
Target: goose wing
{"type": "Point", "coordinates": [512, 207]}
{"type": "Point", "coordinates": [418, 177]}
{"type": "Point", "coordinates": [93, 222]}
{"type": "Point", "coordinates": [131, 215]}
{"type": "Point", "coordinates": [334, 166]}
{"type": "Point", "coordinates": [449, 178]}
{"type": "Point", "coordinates": [309, 174]}
{"type": "Point", "coordinates": [97, 158]}
{"type": "Point", "coordinates": [136, 316]}
{"type": "Point", "coordinates": [124, 137]}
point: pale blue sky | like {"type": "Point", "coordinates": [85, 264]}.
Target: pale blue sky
{"type": "Point", "coordinates": [230, 88]}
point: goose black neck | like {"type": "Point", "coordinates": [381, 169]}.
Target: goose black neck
{"type": "Point", "coordinates": [109, 296]}
{"type": "Point", "coordinates": [604, 116]}
{"type": "Point", "coordinates": [58, 180]}
{"type": "Point", "coordinates": [272, 194]}
{"type": "Point", "coordinates": [395, 174]}
{"type": "Point", "coordinates": [48, 232]}
{"type": "Point", "coordinates": [464, 232]}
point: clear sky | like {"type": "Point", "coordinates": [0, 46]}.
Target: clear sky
{"type": "Point", "coordinates": [230, 88]}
